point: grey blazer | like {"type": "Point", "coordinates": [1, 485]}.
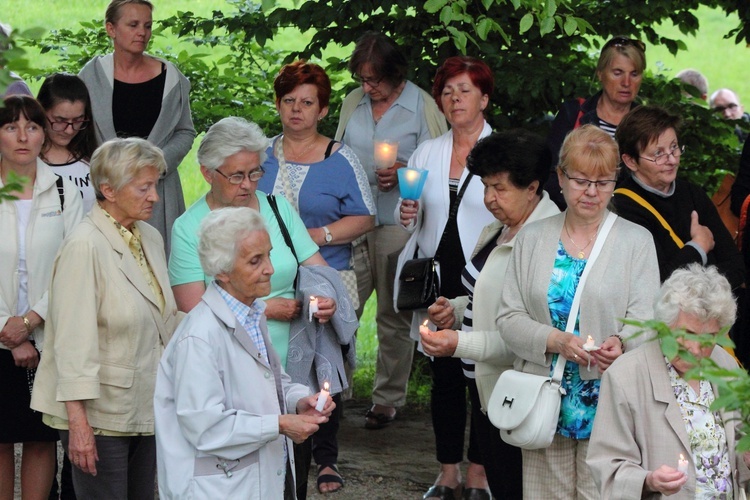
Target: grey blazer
{"type": "Point", "coordinates": [639, 427]}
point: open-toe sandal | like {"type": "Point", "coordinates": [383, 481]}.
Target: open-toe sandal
{"type": "Point", "coordinates": [377, 420]}
{"type": "Point", "coordinates": [329, 478]}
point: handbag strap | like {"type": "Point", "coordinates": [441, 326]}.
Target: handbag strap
{"type": "Point", "coordinates": [574, 308]}
{"type": "Point", "coordinates": [282, 226]}
{"type": "Point", "coordinates": [453, 212]}
{"type": "Point", "coordinates": [642, 202]}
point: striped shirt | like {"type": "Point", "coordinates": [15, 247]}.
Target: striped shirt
{"type": "Point", "coordinates": [248, 316]}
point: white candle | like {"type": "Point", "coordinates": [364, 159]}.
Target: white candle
{"type": "Point", "coordinates": [385, 153]}
{"type": "Point", "coordinates": [682, 464]}
{"type": "Point", "coordinates": [589, 345]}
{"type": "Point", "coordinates": [423, 330]}
{"type": "Point", "coordinates": [322, 397]}
{"type": "Point", "coordinates": [313, 306]}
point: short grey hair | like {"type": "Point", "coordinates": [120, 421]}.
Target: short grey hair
{"type": "Point", "coordinates": [219, 236]}
{"type": "Point", "coordinates": [228, 137]}
{"type": "Point", "coordinates": [722, 91]}
{"type": "Point", "coordinates": [695, 78]}
{"type": "Point", "coordinates": [117, 161]}
{"type": "Point", "coordinates": [697, 290]}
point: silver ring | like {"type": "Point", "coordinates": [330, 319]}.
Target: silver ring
{"type": "Point", "coordinates": [575, 356]}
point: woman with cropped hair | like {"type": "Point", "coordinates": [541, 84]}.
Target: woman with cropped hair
{"type": "Point", "coordinates": [687, 450]}
{"type": "Point", "coordinates": [111, 313]}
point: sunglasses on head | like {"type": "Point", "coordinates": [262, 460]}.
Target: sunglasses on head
{"type": "Point", "coordinates": [621, 41]}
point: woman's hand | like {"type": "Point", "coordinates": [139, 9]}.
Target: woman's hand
{"type": "Point", "coordinates": [282, 309]}
{"type": "Point", "coordinates": [608, 352]}
{"type": "Point", "coordinates": [570, 347]}
{"type": "Point", "coordinates": [700, 235]}
{"type": "Point", "coordinates": [14, 333]}
{"type": "Point", "coordinates": [408, 212]}
{"type": "Point", "coordinates": [82, 445]}
{"type": "Point", "coordinates": [440, 344]}
{"type": "Point", "coordinates": [25, 356]}
{"type": "Point", "coordinates": [442, 313]}
{"type": "Point", "coordinates": [388, 177]}
{"type": "Point", "coordinates": [666, 480]}
{"type": "Point", "coordinates": [326, 309]}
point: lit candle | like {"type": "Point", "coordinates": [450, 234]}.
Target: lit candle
{"type": "Point", "coordinates": [682, 464]}
{"type": "Point", "coordinates": [322, 397]}
{"type": "Point", "coordinates": [411, 181]}
{"type": "Point", "coordinates": [385, 153]}
{"type": "Point", "coordinates": [313, 306]}
{"type": "Point", "coordinates": [423, 330]}
{"type": "Point", "coordinates": [589, 345]}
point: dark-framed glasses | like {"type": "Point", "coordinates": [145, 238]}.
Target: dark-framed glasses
{"type": "Point", "coordinates": [622, 41]}
{"type": "Point", "coordinates": [581, 184]}
{"type": "Point", "coordinates": [731, 106]}
{"type": "Point", "coordinates": [60, 126]}
{"type": "Point", "coordinates": [236, 179]}
{"type": "Point", "coordinates": [372, 82]}
{"type": "Point", "coordinates": [661, 158]}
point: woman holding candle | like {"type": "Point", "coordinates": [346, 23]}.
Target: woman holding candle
{"type": "Point", "coordinates": [685, 451]}
{"type": "Point", "coordinates": [545, 267]}
{"type": "Point", "coordinates": [462, 88]}
{"type": "Point", "coordinates": [512, 165]}
{"type": "Point", "coordinates": [386, 106]}
{"type": "Point", "coordinates": [46, 210]}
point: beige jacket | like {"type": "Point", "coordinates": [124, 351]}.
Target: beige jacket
{"type": "Point", "coordinates": [105, 333]}
{"type": "Point", "coordinates": [639, 427]}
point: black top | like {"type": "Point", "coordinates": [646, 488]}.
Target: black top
{"type": "Point", "coordinates": [450, 254]}
{"type": "Point", "coordinates": [136, 106]}
{"type": "Point", "coordinates": [676, 210]}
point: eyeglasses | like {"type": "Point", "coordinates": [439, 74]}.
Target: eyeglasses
{"type": "Point", "coordinates": [61, 126]}
{"type": "Point", "coordinates": [372, 82]}
{"type": "Point", "coordinates": [580, 184]}
{"type": "Point", "coordinates": [236, 179]}
{"type": "Point", "coordinates": [621, 41]}
{"type": "Point", "coordinates": [731, 106]}
{"type": "Point", "coordinates": [661, 158]}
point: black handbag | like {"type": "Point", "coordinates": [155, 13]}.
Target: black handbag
{"type": "Point", "coordinates": [419, 285]}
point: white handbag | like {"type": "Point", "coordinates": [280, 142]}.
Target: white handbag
{"type": "Point", "coordinates": [526, 407]}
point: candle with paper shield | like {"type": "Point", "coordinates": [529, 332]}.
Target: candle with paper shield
{"type": "Point", "coordinates": [411, 181]}
{"type": "Point", "coordinates": [682, 464]}
{"type": "Point", "coordinates": [385, 153]}
{"type": "Point", "coordinates": [322, 397]}
{"type": "Point", "coordinates": [313, 306]}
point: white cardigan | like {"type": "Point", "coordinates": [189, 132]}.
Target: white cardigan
{"type": "Point", "coordinates": [435, 156]}
{"type": "Point", "coordinates": [484, 344]}
{"type": "Point", "coordinates": [44, 235]}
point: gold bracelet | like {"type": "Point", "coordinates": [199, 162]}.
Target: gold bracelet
{"type": "Point", "coordinates": [28, 324]}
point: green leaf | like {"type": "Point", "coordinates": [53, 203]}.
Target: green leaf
{"type": "Point", "coordinates": [669, 347]}
{"type": "Point", "coordinates": [432, 6]}
{"type": "Point", "coordinates": [446, 15]}
{"type": "Point", "coordinates": [551, 8]}
{"type": "Point", "coordinates": [487, 4]}
{"type": "Point", "coordinates": [570, 26]}
{"type": "Point", "coordinates": [483, 28]}
{"type": "Point", "coordinates": [547, 25]}
{"type": "Point", "coordinates": [526, 22]}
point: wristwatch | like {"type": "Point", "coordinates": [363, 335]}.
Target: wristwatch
{"type": "Point", "coordinates": [329, 236]}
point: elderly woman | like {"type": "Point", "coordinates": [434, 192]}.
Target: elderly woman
{"type": "Point", "coordinates": [134, 94]}
{"type": "Point", "coordinates": [46, 210]}
{"type": "Point", "coordinates": [386, 106]}
{"type": "Point", "coordinates": [630, 460]}
{"type": "Point", "coordinates": [513, 166]}
{"type": "Point", "coordinates": [619, 70]}
{"type": "Point", "coordinates": [300, 165]}
{"type": "Point", "coordinates": [679, 215]}
{"type": "Point", "coordinates": [111, 313]}
{"type": "Point", "coordinates": [226, 411]}
{"type": "Point", "coordinates": [536, 302]}
{"type": "Point", "coordinates": [462, 88]}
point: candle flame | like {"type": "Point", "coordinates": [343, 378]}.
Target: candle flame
{"type": "Point", "coordinates": [424, 324]}
{"type": "Point", "coordinates": [591, 338]}
{"type": "Point", "coordinates": [411, 175]}
{"type": "Point", "coordinates": [312, 297]}
{"type": "Point", "coordinates": [326, 386]}
{"type": "Point", "coordinates": [682, 457]}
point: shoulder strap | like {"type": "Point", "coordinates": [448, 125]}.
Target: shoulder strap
{"type": "Point", "coordinates": [638, 199]}
{"type": "Point", "coordinates": [329, 149]}
{"type": "Point", "coordinates": [284, 232]}
{"type": "Point", "coordinates": [61, 192]}
{"type": "Point", "coordinates": [454, 208]}
{"type": "Point", "coordinates": [580, 100]}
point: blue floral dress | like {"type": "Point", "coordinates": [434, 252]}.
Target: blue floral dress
{"type": "Point", "coordinates": [578, 406]}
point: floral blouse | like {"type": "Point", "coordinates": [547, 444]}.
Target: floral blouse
{"type": "Point", "coordinates": [708, 441]}
{"type": "Point", "coordinates": [578, 406]}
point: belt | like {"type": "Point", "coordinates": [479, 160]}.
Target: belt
{"type": "Point", "coordinates": [207, 466]}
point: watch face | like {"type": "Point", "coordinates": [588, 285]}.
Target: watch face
{"type": "Point", "coordinates": [329, 237]}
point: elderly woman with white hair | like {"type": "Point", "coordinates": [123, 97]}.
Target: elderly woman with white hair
{"type": "Point", "coordinates": [230, 157]}
{"type": "Point", "coordinates": [226, 411]}
{"type": "Point", "coordinates": [111, 312]}
{"type": "Point", "coordinates": [685, 449]}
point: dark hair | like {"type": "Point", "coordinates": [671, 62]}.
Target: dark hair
{"type": "Point", "coordinates": [16, 106]}
{"type": "Point", "coordinates": [299, 73]}
{"type": "Point", "coordinates": [60, 87]}
{"type": "Point", "coordinates": [480, 74]}
{"type": "Point", "coordinates": [522, 154]}
{"type": "Point", "coordinates": [383, 56]}
{"type": "Point", "coordinates": [641, 127]}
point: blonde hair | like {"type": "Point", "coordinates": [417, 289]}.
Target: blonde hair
{"type": "Point", "coordinates": [590, 151]}
{"type": "Point", "coordinates": [118, 161]}
{"type": "Point", "coordinates": [112, 14]}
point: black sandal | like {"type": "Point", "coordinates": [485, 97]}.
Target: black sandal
{"type": "Point", "coordinates": [377, 420]}
{"type": "Point", "coordinates": [329, 478]}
